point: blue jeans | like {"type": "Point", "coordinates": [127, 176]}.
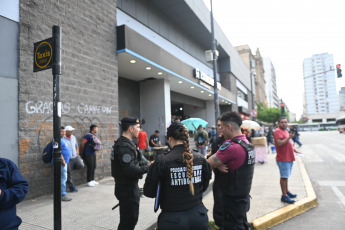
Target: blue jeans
{"type": "Point", "coordinates": [63, 179]}
{"type": "Point", "coordinates": [296, 140]}
{"type": "Point", "coordinates": [202, 151]}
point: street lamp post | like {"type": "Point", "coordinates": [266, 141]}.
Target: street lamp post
{"type": "Point", "coordinates": [214, 59]}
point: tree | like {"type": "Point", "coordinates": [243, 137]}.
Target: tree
{"type": "Point", "coordinates": [270, 115]}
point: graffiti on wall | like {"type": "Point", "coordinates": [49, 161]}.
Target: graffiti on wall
{"type": "Point", "coordinates": [43, 129]}
{"type": "Point", "coordinates": [45, 107]}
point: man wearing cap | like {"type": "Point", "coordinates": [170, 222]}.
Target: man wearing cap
{"type": "Point", "coordinates": [126, 170]}
{"type": "Point", "coordinates": [75, 161]}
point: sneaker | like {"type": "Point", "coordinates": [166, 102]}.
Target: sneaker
{"type": "Point", "coordinates": [287, 199]}
{"type": "Point", "coordinates": [291, 195]}
{"type": "Point", "coordinates": [90, 184]}
{"type": "Point", "coordinates": [73, 189]}
{"type": "Point", "coordinates": [66, 198]}
{"type": "Point", "coordinates": [95, 182]}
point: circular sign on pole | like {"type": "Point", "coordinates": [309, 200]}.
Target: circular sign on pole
{"type": "Point", "coordinates": [43, 53]}
{"type": "Point", "coordinates": [253, 113]}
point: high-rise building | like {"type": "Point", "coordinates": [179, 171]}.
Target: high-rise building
{"type": "Point", "coordinates": [271, 85]}
{"type": "Point", "coordinates": [342, 99]}
{"type": "Point", "coordinates": [320, 87]}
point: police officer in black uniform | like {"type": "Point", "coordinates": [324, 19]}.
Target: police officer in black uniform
{"type": "Point", "coordinates": [217, 191]}
{"type": "Point", "coordinates": [183, 177]}
{"type": "Point", "coordinates": [235, 157]}
{"type": "Point", "coordinates": [127, 170]}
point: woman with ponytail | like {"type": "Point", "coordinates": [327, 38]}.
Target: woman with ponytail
{"type": "Point", "coordinates": [182, 177]}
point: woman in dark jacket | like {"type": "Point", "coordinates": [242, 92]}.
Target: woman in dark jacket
{"type": "Point", "coordinates": [182, 178]}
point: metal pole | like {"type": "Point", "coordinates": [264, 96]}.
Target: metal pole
{"type": "Point", "coordinates": [56, 69]}
{"type": "Point", "coordinates": [216, 100]}
{"type": "Point", "coordinates": [251, 81]}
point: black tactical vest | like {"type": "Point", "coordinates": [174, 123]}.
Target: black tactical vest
{"type": "Point", "coordinates": [239, 181]}
{"type": "Point", "coordinates": [116, 169]}
{"type": "Point", "coordinates": [175, 194]}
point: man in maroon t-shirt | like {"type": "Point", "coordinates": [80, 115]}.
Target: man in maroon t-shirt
{"type": "Point", "coordinates": [230, 157]}
{"type": "Point", "coordinates": [285, 157]}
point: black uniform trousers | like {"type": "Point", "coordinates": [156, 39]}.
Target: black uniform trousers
{"type": "Point", "coordinates": [129, 199]}
{"type": "Point", "coordinates": [235, 212]}
{"type": "Point", "coordinates": [218, 210]}
{"type": "Point", "coordinates": [90, 161]}
{"type": "Point", "coordinates": [193, 219]}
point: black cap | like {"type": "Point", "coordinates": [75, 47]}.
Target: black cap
{"type": "Point", "coordinates": [172, 128]}
{"type": "Point", "coordinates": [130, 121]}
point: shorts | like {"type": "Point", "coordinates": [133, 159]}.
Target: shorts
{"type": "Point", "coordinates": [285, 168]}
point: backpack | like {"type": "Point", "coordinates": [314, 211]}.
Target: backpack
{"type": "Point", "coordinates": [200, 139]}
{"type": "Point", "coordinates": [95, 144]}
{"type": "Point", "coordinates": [47, 154]}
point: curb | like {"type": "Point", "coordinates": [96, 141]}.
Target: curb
{"type": "Point", "coordinates": [279, 216]}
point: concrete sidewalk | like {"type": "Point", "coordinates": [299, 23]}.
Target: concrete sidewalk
{"type": "Point", "coordinates": [91, 206]}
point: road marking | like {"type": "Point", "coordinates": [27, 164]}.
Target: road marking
{"type": "Point", "coordinates": [339, 194]}
{"type": "Point", "coordinates": [309, 155]}
{"type": "Point", "coordinates": [334, 185]}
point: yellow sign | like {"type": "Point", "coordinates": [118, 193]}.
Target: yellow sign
{"type": "Point", "coordinates": [43, 53]}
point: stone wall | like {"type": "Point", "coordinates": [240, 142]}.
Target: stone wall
{"type": "Point", "coordinates": [88, 87]}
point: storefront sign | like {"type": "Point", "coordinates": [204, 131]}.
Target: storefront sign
{"type": "Point", "coordinates": [43, 55]}
{"type": "Point", "coordinates": [206, 78]}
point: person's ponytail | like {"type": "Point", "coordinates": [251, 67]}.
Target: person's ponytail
{"type": "Point", "coordinates": [188, 158]}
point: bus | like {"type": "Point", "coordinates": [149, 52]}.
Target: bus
{"type": "Point", "coordinates": [341, 124]}
{"type": "Point", "coordinates": [318, 126]}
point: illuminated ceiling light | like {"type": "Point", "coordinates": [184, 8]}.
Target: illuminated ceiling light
{"type": "Point", "coordinates": [210, 95]}
{"type": "Point", "coordinates": [181, 109]}
{"type": "Point", "coordinates": [192, 87]}
{"type": "Point", "coordinates": [132, 61]}
{"type": "Point", "coordinates": [148, 68]}
{"type": "Point", "coordinates": [180, 82]}
{"type": "Point", "coordinates": [222, 100]}
{"type": "Point", "coordinates": [159, 73]}
{"type": "Point", "coordinates": [201, 91]}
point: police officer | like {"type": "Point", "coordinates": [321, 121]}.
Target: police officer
{"type": "Point", "coordinates": [217, 191]}
{"type": "Point", "coordinates": [127, 170]}
{"type": "Point", "coordinates": [235, 157]}
{"type": "Point", "coordinates": [183, 177]}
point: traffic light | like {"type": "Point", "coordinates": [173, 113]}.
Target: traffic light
{"type": "Point", "coordinates": [282, 107]}
{"type": "Point", "coordinates": [339, 71]}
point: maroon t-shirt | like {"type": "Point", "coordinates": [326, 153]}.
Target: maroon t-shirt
{"type": "Point", "coordinates": [234, 155]}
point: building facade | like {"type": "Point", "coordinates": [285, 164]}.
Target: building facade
{"type": "Point", "coordinates": [322, 101]}
{"type": "Point", "coordinates": [260, 82]}
{"type": "Point", "coordinates": [119, 58]}
{"type": "Point", "coordinates": [271, 85]}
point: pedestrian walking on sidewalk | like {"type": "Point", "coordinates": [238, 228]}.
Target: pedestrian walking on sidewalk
{"type": "Point", "coordinates": [236, 158]}
{"type": "Point", "coordinates": [126, 170]}
{"type": "Point", "coordinates": [13, 189]}
{"type": "Point", "coordinates": [182, 177]}
{"type": "Point", "coordinates": [218, 210]}
{"type": "Point", "coordinates": [75, 162]}
{"type": "Point", "coordinates": [285, 157]}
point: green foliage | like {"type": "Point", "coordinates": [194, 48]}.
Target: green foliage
{"type": "Point", "coordinates": [270, 115]}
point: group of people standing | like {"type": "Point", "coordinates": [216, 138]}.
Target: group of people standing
{"type": "Point", "coordinates": [73, 158]}
{"type": "Point", "coordinates": [177, 179]}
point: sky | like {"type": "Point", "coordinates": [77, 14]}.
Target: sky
{"type": "Point", "coordinates": [286, 32]}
